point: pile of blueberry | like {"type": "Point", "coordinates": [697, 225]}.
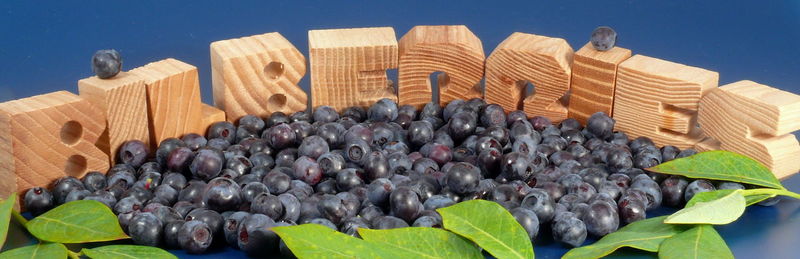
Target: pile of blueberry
{"type": "Point", "coordinates": [382, 167]}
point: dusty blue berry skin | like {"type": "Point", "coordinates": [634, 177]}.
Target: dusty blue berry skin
{"type": "Point", "coordinates": [106, 63]}
{"type": "Point", "coordinates": [325, 114]}
{"type": "Point", "coordinates": [383, 110]}
{"type": "Point", "coordinates": [528, 220]}
{"type": "Point", "coordinates": [133, 153]}
{"type": "Point", "coordinates": [195, 237]}
{"type": "Point", "coordinates": [255, 238]}
{"type": "Point", "coordinates": [603, 38]}
{"type": "Point", "coordinates": [145, 229]}
{"type": "Point", "coordinates": [38, 200]}
{"type": "Point", "coordinates": [66, 184]}
{"type": "Point", "coordinates": [207, 164]}
{"type": "Point", "coordinates": [222, 194]}
{"type": "Point", "coordinates": [569, 230]}
{"type": "Point", "coordinates": [231, 227]}
{"type": "Point", "coordinates": [695, 187]}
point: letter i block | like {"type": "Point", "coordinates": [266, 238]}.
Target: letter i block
{"type": "Point", "coordinates": [45, 137]}
{"type": "Point", "coordinates": [257, 75]}
{"type": "Point", "coordinates": [543, 61]}
{"type": "Point", "coordinates": [173, 99]}
{"type": "Point", "coordinates": [348, 66]}
{"type": "Point", "coordinates": [658, 99]}
{"type": "Point", "coordinates": [454, 50]}
{"type": "Point", "coordinates": [594, 74]}
{"type": "Point", "coordinates": [754, 120]}
{"type": "Point", "coordinates": [123, 100]}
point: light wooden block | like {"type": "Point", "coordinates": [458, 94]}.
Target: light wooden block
{"type": "Point", "coordinates": [594, 74]}
{"type": "Point", "coordinates": [123, 100]}
{"type": "Point", "coordinates": [348, 66]}
{"type": "Point", "coordinates": [754, 120]}
{"type": "Point", "coordinates": [210, 115]}
{"type": "Point", "coordinates": [454, 50]}
{"type": "Point", "coordinates": [257, 75]}
{"type": "Point", "coordinates": [173, 98]}
{"type": "Point", "coordinates": [45, 137]}
{"type": "Point", "coordinates": [658, 99]}
{"type": "Point", "coordinates": [543, 61]}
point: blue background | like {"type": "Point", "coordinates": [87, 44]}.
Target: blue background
{"type": "Point", "coordinates": [47, 46]}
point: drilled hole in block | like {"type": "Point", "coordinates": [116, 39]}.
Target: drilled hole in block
{"type": "Point", "coordinates": [274, 70]}
{"type": "Point", "coordinates": [526, 89]}
{"type": "Point", "coordinates": [71, 132]}
{"type": "Point", "coordinates": [276, 102]}
{"type": "Point", "coordinates": [76, 166]}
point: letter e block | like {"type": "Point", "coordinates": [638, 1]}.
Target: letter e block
{"type": "Point", "coordinates": [754, 120]}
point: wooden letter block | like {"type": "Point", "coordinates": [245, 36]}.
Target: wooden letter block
{"type": "Point", "coordinates": [348, 66]}
{"type": "Point", "coordinates": [594, 74]}
{"type": "Point", "coordinates": [123, 100]}
{"type": "Point", "coordinates": [658, 99]}
{"type": "Point", "coordinates": [210, 115]}
{"type": "Point", "coordinates": [754, 120]}
{"type": "Point", "coordinates": [257, 75]}
{"type": "Point", "coordinates": [542, 61]}
{"type": "Point", "coordinates": [454, 50]}
{"type": "Point", "coordinates": [173, 98]}
{"type": "Point", "coordinates": [45, 137]}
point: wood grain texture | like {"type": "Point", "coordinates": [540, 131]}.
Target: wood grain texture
{"type": "Point", "coordinates": [45, 137]}
{"type": "Point", "coordinates": [173, 98]}
{"type": "Point", "coordinates": [594, 75]}
{"type": "Point", "coordinates": [348, 66]}
{"type": "Point", "coordinates": [210, 115]}
{"type": "Point", "coordinates": [754, 120]}
{"type": "Point", "coordinates": [454, 50]}
{"type": "Point", "coordinates": [257, 75]}
{"type": "Point", "coordinates": [543, 61]}
{"type": "Point", "coordinates": [123, 100]}
{"type": "Point", "coordinates": [658, 99]}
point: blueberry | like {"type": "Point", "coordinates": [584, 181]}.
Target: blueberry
{"type": "Point", "coordinates": [695, 187]}
{"type": "Point", "coordinates": [359, 131]}
{"type": "Point", "coordinates": [94, 181]}
{"type": "Point", "coordinates": [171, 231]}
{"type": "Point", "coordinates": [686, 153]}
{"type": "Point", "coordinates": [463, 178]}
{"type": "Point", "coordinates": [166, 193]}
{"type": "Point", "coordinates": [601, 219]}
{"type": "Point", "coordinates": [517, 166]}
{"type": "Point", "coordinates": [106, 63]}
{"type": "Point", "coordinates": [673, 189]}
{"type": "Point", "coordinates": [179, 159]}
{"type": "Point", "coordinates": [631, 209]}
{"type": "Point", "coordinates": [291, 207]}
{"type": "Point", "coordinates": [383, 110]}
{"type": "Point", "coordinates": [351, 225]}
{"type": "Point", "coordinates": [603, 38]}
{"type": "Point", "coordinates": [348, 179]}
{"type": "Point", "coordinates": [222, 194]}
{"type": "Point", "coordinates": [213, 219]}
{"type": "Point", "coordinates": [540, 202]}
{"type": "Point", "coordinates": [165, 148]}
{"type": "Point", "coordinates": [325, 114]}
{"type": "Point", "coordinates": [405, 204]}
{"type": "Point", "coordinates": [207, 164]}
{"type": "Point", "coordinates": [376, 165]}
{"type": "Point", "coordinates": [193, 192]}
{"type": "Point", "coordinates": [145, 229]}
{"type": "Point", "coordinates": [195, 237]}
{"type": "Point", "coordinates": [38, 200]}
{"type": "Point", "coordinates": [356, 113]}
{"type": "Point", "coordinates": [388, 222]}
{"type": "Point", "coordinates": [569, 231]}
{"type": "Point", "coordinates": [267, 204]}
{"type": "Point", "coordinates": [651, 189]}
{"type": "Point", "coordinates": [356, 150]}
{"type": "Point", "coordinates": [431, 109]}
{"type": "Point", "coordinates": [462, 125]}
{"type": "Point", "coordinates": [255, 238]}
{"type": "Point", "coordinates": [231, 227]}
{"type": "Point", "coordinates": [313, 147]}
{"type": "Point", "coordinates": [528, 220]}
{"type": "Point", "coordinates": [307, 170]}
{"type": "Point", "coordinates": [127, 204]}
{"type": "Point", "coordinates": [730, 186]}
{"type": "Point", "coordinates": [276, 181]}
{"type": "Point", "coordinates": [67, 184]}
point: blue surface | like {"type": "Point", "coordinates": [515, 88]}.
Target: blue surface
{"type": "Point", "coordinates": [46, 46]}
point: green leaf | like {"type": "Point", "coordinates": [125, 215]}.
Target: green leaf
{"type": "Point", "coordinates": [423, 242]}
{"type": "Point", "coordinates": [41, 250]}
{"type": "Point", "coordinates": [721, 165]}
{"type": "Point", "coordinates": [643, 235]}
{"type": "Point", "coordinates": [77, 222]}
{"type": "Point", "coordinates": [490, 226]}
{"type": "Point", "coordinates": [701, 241]}
{"type": "Point", "coordinates": [751, 198]}
{"type": "Point", "coordinates": [723, 210]}
{"type": "Point", "coordinates": [317, 241]}
{"type": "Point", "coordinates": [127, 251]}
{"type": "Point", "coordinates": [5, 216]}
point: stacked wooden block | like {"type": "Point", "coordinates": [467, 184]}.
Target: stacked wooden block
{"type": "Point", "coordinates": [46, 137]}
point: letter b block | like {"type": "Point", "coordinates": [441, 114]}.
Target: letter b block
{"type": "Point", "coordinates": [45, 137]}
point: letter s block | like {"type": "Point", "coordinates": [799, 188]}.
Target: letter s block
{"type": "Point", "coordinates": [257, 75]}
{"type": "Point", "coordinates": [658, 99]}
{"type": "Point", "coordinates": [45, 137]}
{"type": "Point", "coordinates": [543, 61]}
{"type": "Point", "coordinates": [754, 120]}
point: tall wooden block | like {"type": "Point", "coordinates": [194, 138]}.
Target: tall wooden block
{"type": "Point", "coordinates": [542, 61]}
{"type": "Point", "coordinates": [257, 75]}
{"type": "Point", "coordinates": [348, 66]}
{"type": "Point", "coordinates": [210, 115]}
{"type": "Point", "coordinates": [594, 74]}
{"type": "Point", "coordinates": [45, 137]}
{"type": "Point", "coordinates": [123, 100]}
{"type": "Point", "coordinates": [454, 50]}
{"type": "Point", "coordinates": [754, 120]}
{"type": "Point", "coordinates": [658, 99]}
{"type": "Point", "coordinates": [173, 98]}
